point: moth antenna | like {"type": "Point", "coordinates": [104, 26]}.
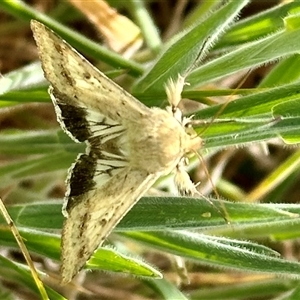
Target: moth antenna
{"type": "Point", "coordinates": [188, 122]}
{"type": "Point", "coordinates": [224, 105]}
{"type": "Point", "coordinates": [224, 212]}
{"type": "Point", "coordinates": [174, 90]}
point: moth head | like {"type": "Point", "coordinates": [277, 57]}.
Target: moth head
{"type": "Point", "coordinates": [193, 141]}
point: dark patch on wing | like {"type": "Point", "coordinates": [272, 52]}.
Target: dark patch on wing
{"type": "Point", "coordinates": [75, 121]}
{"type": "Point", "coordinates": [58, 48]}
{"type": "Point", "coordinates": [82, 176]}
{"type": "Point", "coordinates": [68, 77]}
{"type": "Point", "coordinates": [87, 75]}
{"type": "Point", "coordinates": [73, 117]}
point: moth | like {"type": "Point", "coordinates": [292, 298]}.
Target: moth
{"type": "Point", "coordinates": [129, 146]}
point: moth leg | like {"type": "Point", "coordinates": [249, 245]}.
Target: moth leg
{"type": "Point", "coordinates": [183, 182]}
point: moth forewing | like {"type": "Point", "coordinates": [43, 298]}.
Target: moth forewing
{"type": "Point", "coordinates": [128, 146]}
{"type": "Point", "coordinates": [72, 75]}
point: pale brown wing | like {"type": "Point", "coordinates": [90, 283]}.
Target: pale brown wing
{"type": "Point", "coordinates": [79, 89]}
{"type": "Point", "coordinates": [96, 208]}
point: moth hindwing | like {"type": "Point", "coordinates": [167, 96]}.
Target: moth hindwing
{"type": "Point", "coordinates": [128, 146]}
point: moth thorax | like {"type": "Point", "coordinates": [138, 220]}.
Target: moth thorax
{"type": "Point", "coordinates": [157, 141]}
